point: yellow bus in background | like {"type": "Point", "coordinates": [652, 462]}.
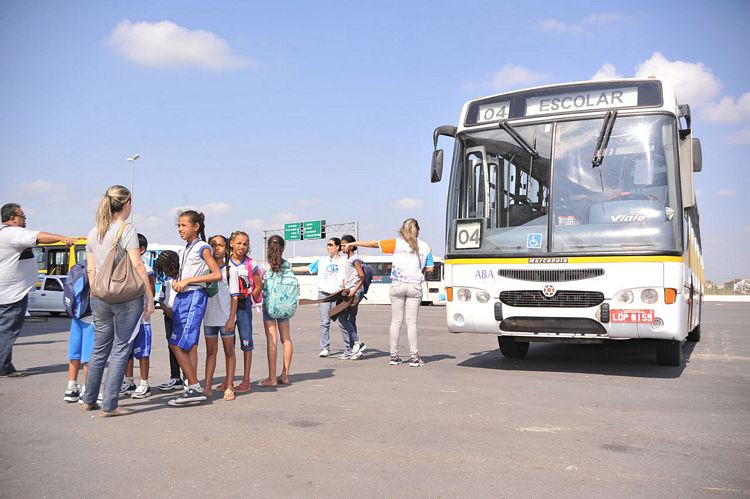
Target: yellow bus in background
{"type": "Point", "coordinates": [57, 259]}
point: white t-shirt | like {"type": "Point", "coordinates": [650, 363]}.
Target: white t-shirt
{"type": "Point", "coordinates": [407, 266]}
{"type": "Point", "coordinates": [241, 269]}
{"type": "Point", "coordinates": [351, 276]}
{"type": "Point", "coordinates": [220, 305]}
{"type": "Point", "coordinates": [192, 263]}
{"type": "Point", "coordinates": [18, 269]}
{"type": "Point", "coordinates": [166, 293]}
{"type": "Point", "coordinates": [331, 272]}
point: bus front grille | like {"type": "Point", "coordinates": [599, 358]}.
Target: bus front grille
{"type": "Point", "coordinates": [563, 298]}
{"type": "Point", "coordinates": [550, 275]}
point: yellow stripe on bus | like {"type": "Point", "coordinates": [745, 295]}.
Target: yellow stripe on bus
{"type": "Point", "coordinates": [572, 259]}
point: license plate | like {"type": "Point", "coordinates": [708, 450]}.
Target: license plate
{"type": "Point", "coordinates": [642, 316]}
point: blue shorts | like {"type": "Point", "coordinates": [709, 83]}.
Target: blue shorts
{"type": "Point", "coordinates": [214, 331]}
{"type": "Point", "coordinates": [267, 317]}
{"type": "Point", "coordinates": [81, 342]}
{"type": "Point", "coordinates": [142, 343]}
{"type": "Point", "coordinates": [245, 328]}
{"type": "Point", "coordinates": [187, 313]}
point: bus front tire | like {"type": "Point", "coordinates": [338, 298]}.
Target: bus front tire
{"type": "Point", "coordinates": [669, 353]}
{"type": "Point", "coordinates": [512, 349]}
{"type": "Point", "coordinates": [695, 334]}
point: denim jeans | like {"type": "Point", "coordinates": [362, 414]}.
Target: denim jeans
{"type": "Point", "coordinates": [12, 316]}
{"type": "Point", "coordinates": [325, 321]}
{"type": "Point", "coordinates": [114, 324]}
{"type": "Point", "coordinates": [244, 324]}
{"type": "Point", "coordinates": [348, 323]}
{"type": "Point", "coordinates": [405, 300]}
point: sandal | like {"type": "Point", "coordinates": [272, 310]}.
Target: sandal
{"type": "Point", "coordinates": [229, 393]}
{"type": "Point", "coordinates": [243, 387]}
{"type": "Point", "coordinates": [221, 388]}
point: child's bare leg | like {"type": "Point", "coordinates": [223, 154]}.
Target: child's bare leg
{"type": "Point", "coordinates": [230, 361]}
{"type": "Point", "coordinates": [73, 366]}
{"type": "Point", "coordinates": [212, 348]}
{"type": "Point", "coordinates": [184, 359]}
{"type": "Point", "coordinates": [272, 350]}
{"type": "Point", "coordinates": [286, 342]}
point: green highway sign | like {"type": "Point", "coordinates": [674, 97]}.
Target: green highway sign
{"type": "Point", "coordinates": [314, 229]}
{"type": "Point", "coordinates": [293, 232]}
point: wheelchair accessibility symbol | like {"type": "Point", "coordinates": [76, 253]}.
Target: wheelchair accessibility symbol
{"type": "Point", "coordinates": [534, 241]}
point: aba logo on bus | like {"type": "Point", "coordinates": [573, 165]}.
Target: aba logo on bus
{"type": "Point", "coordinates": [484, 275]}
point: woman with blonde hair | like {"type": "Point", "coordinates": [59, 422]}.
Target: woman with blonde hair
{"type": "Point", "coordinates": [411, 259]}
{"type": "Point", "coordinates": [114, 323]}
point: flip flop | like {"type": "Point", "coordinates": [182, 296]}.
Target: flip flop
{"type": "Point", "coordinates": [229, 393]}
{"type": "Point", "coordinates": [222, 387]}
{"type": "Point", "coordinates": [243, 387]}
{"type": "Point", "coordinates": [267, 383]}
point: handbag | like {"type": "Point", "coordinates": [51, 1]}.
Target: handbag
{"type": "Point", "coordinates": [117, 283]}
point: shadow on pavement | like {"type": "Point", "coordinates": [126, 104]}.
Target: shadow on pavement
{"type": "Point", "coordinates": [636, 358]}
{"type": "Point", "coordinates": [23, 343]}
{"type": "Point", "coordinates": [436, 357]}
{"type": "Point", "coordinates": [52, 368]}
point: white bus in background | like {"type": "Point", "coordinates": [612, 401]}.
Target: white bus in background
{"type": "Point", "coordinates": [378, 294]}
{"type": "Point", "coordinates": [572, 216]}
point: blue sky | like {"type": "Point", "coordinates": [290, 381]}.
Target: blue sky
{"type": "Point", "coordinates": [262, 113]}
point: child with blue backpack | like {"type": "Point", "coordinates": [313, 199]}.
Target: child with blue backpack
{"type": "Point", "coordinates": [167, 267]}
{"type": "Point", "coordinates": [141, 343]}
{"type": "Point", "coordinates": [280, 299]}
{"type": "Point", "coordinates": [76, 298]}
{"type": "Point", "coordinates": [354, 279]}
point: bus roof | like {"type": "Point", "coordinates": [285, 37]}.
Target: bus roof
{"type": "Point", "coordinates": [584, 97]}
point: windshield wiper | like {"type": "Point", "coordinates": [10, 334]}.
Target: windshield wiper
{"type": "Point", "coordinates": [518, 139]}
{"type": "Point", "coordinates": [602, 141]}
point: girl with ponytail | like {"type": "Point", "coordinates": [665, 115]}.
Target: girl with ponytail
{"type": "Point", "coordinates": [411, 259]}
{"type": "Point", "coordinates": [197, 268]}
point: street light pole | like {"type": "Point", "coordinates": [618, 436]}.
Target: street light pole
{"type": "Point", "coordinates": [132, 160]}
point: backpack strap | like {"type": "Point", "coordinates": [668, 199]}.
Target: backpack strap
{"type": "Point", "coordinates": [119, 234]}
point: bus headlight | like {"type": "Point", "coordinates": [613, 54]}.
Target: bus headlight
{"type": "Point", "coordinates": [464, 294]}
{"type": "Point", "coordinates": [649, 296]}
{"type": "Point", "coordinates": [483, 296]}
{"type": "Point", "coordinates": [624, 296]}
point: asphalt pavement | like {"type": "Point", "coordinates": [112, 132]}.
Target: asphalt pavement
{"type": "Point", "coordinates": [567, 421]}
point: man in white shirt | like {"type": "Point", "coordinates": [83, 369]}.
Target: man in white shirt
{"type": "Point", "coordinates": [18, 274]}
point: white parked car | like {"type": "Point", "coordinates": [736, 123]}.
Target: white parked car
{"type": "Point", "coordinates": [47, 295]}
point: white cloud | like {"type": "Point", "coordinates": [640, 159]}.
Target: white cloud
{"type": "Point", "coordinates": [694, 83]}
{"type": "Point", "coordinates": [606, 72]}
{"type": "Point", "coordinates": [45, 191]}
{"type": "Point", "coordinates": [254, 224]}
{"type": "Point", "coordinates": [408, 204]}
{"type": "Point", "coordinates": [553, 25]}
{"type": "Point", "coordinates": [726, 193]}
{"type": "Point", "coordinates": [508, 77]}
{"type": "Point", "coordinates": [167, 45]}
{"type": "Point", "coordinates": [219, 208]}
{"type": "Point", "coordinates": [308, 203]}
{"type": "Point", "coordinates": [148, 221]}
{"type": "Point", "coordinates": [728, 110]}
{"type": "Point", "coordinates": [740, 138]}
{"type": "Point", "coordinates": [285, 218]}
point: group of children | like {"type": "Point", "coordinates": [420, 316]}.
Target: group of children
{"type": "Point", "coordinates": [216, 284]}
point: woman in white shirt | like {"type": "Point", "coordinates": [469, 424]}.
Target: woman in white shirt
{"type": "Point", "coordinates": [330, 270]}
{"type": "Point", "coordinates": [411, 259]}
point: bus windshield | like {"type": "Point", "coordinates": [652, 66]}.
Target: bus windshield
{"type": "Point", "coordinates": [504, 199]}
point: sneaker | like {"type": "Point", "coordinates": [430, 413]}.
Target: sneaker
{"type": "Point", "coordinates": [100, 397]}
{"type": "Point", "coordinates": [416, 361]}
{"type": "Point", "coordinates": [190, 396]}
{"type": "Point", "coordinates": [359, 349]}
{"type": "Point", "coordinates": [80, 396]}
{"type": "Point", "coordinates": [72, 394]}
{"type": "Point", "coordinates": [356, 347]}
{"type": "Point", "coordinates": [126, 387]}
{"type": "Point", "coordinates": [344, 356]}
{"type": "Point", "coordinates": [395, 360]}
{"type": "Point", "coordinates": [171, 384]}
{"type": "Point", "coordinates": [324, 353]}
{"type": "Point", "coordinates": [143, 391]}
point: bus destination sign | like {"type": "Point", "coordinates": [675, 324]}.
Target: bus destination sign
{"type": "Point", "coordinates": [582, 101]}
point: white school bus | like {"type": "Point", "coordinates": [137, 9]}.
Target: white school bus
{"type": "Point", "coordinates": [571, 216]}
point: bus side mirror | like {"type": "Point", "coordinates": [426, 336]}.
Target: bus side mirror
{"type": "Point", "coordinates": [437, 166]}
{"type": "Point", "coordinates": [697, 155]}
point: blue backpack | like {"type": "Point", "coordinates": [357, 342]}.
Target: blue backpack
{"type": "Point", "coordinates": [368, 278]}
{"type": "Point", "coordinates": [76, 292]}
{"type": "Point", "coordinates": [280, 292]}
